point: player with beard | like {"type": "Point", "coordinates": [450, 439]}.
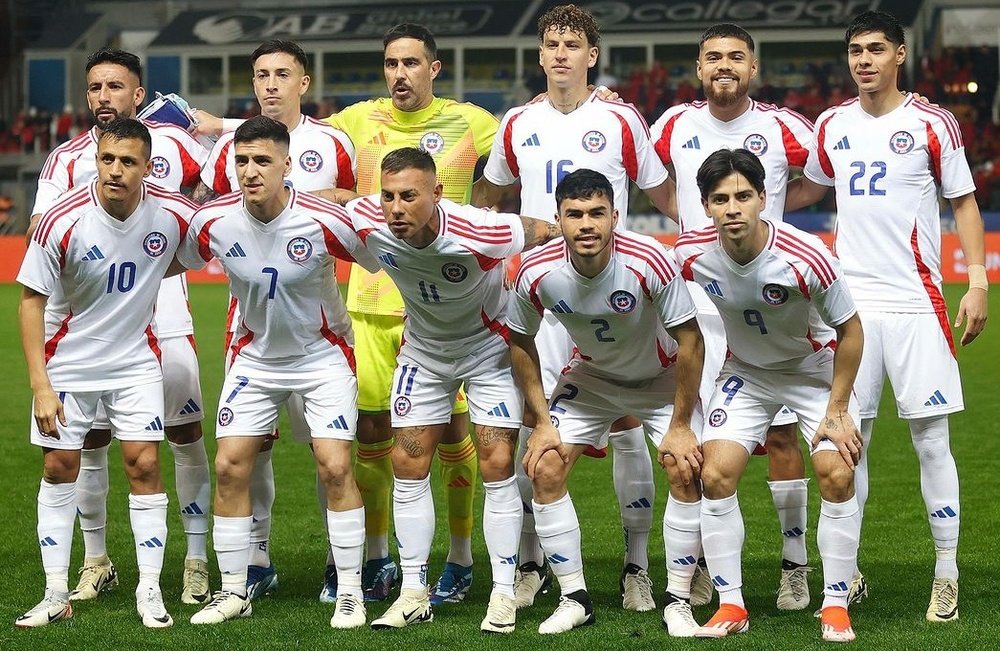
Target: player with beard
{"type": "Point", "coordinates": [684, 137]}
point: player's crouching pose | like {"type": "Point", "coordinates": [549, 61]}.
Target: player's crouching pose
{"type": "Point", "coordinates": [639, 352]}
{"type": "Point", "coordinates": [278, 246]}
{"type": "Point", "coordinates": [795, 339]}
{"type": "Point", "coordinates": [448, 262]}
{"type": "Point", "coordinates": [104, 248]}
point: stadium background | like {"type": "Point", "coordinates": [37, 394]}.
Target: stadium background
{"type": "Point", "coordinates": [489, 51]}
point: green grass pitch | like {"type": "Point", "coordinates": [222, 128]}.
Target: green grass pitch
{"type": "Point", "coordinates": [897, 555]}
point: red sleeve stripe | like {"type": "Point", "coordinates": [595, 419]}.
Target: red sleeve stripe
{"type": "Point", "coordinates": [163, 193]}
{"type": "Point", "coordinates": [220, 183]}
{"type": "Point", "coordinates": [345, 166]}
{"type": "Point", "coordinates": [687, 273]}
{"type": "Point", "coordinates": [226, 200]}
{"type": "Point", "coordinates": [337, 341]}
{"type": "Point", "coordinates": [495, 326]}
{"type": "Point", "coordinates": [642, 281]}
{"type": "Point", "coordinates": [934, 148]}
{"type": "Point", "coordinates": [803, 285]}
{"type": "Point", "coordinates": [508, 146]}
{"type": "Point", "coordinates": [370, 209]}
{"type": "Point", "coordinates": [630, 159]}
{"type": "Point", "coordinates": [548, 253]}
{"type": "Point", "coordinates": [53, 343]}
{"type": "Point", "coordinates": [501, 228]}
{"type": "Point", "coordinates": [700, 236]}
{"type": "Point", "coordinates": [795, 153]}
{"type": "Point", "coordinates": [60, 210]}
{"type": "Point", "coordinates": [333, 245]}
{"type": "Point", "coordinates": [657, 262]}
{"type": "Point", "coordinates": [619, 106]}
{"type": "Point", "coordinates": [182, 224]}
{"type": "Point", "coordinates": [64, 244]}
{"type": "Point", "coordinates": [533, 294]}
{"type": "Point", "coordinates": [204, 240]}
{"type": "Point", "coordinates": [662, 144]}
{"type": "Point", "coordinates": [949, 121]}
{"type": "Point", "coordinates": [241, 343]}
{"type": "Point", "coordinates": [813, 258]}
{"type": "Point", "coordinates": [486, 238]}
{"type": "Point", "coordinates": [320, 204]}
{"type": "Point", "coordinates": [771, 108]}
{"type": "Point", "coordinates": [824, 159]}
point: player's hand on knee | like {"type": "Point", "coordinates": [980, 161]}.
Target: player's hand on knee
{"type": "Point", "coordinates": [679, 449]}
{"type": "Point", "coordinates": [543, 438]}
{"type": "Point", "coordinates": [839, 429]}
{"type": "Point", "coordinates": [972, 310]}
{"type": "Point", "coordinates": [49, 411]}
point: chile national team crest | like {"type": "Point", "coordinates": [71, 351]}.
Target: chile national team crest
{"type": "Point", "coordinates": [454, 272]}
{"type": "Point", "coordinates": [299, 249]}
{"type": "Point", "coordinates": [901, 142]}
{"type": "Point", "coordinates": [594, 141]}
{"type": "Point", "coordinates": [160, 167]}
{"type": "Point", "coordinates": [432, 142]}
{"type": "Point", "coordinates": [402, 406]}
{"type": "Point", "coordinates": [155, 244]}
{"type": "Point", "coordinates": [774, 294]}
{"type": "Point", "coordinates": [622, 301]}
{"type": "Point", "coordinates": [717, 418]}
{"type": "Point", "coordinates": [756, 144]}
{"type": "Point", "coordinates": [311, 161]}
{"type": "Point", "coordinates": [225, 416]}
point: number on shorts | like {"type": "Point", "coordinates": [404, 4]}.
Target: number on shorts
{"type": "Point", "coordinates": [603, 326]}
{"type": "Point", "coordinates": [243, 381]}
{"type": "Point", "coordinates": [568, 393]}
{"type": "Point", "coordinates": [731, 387]}
{"type": "Point", "coordinates": [405, 385]}
{"type": "Point", "coordinates": [274, 281]}
{"type": "Point", "coordinates": [755, 319]}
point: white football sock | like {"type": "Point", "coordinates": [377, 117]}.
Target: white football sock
{"type": "Point", "coordinates": [231, 539]}
{"type": "Point", "coordinates": [501, 524]}
{"type": "Point", "coordinates": [92, 500]}
{"type": "Point", "coordinates": [529, 549]}
{"type": "Point", "coordinates": [791, 497]}
{"type": "Point", "coordinates": [939, 485]}
{"type": "Point", "coordinates": [347, 540]}
{"type": "Point", "coordinates": [413, 519]}
{"type": "Point", "coordinates": [837, 537]}
{"type": "Point", "coordinates": [632, 469]}
{"type": "Point", "coordinates": [559, 532]}
{"type": "Point", "coordinates": [148, 515]}
{"type": "Point", "coordinates": [321, 500]}
{"type": "Point", "coordinates": [194, 492]}
{"type": "Point", "coordinates": [262, 500]}
{"type": "Point", "coordinates": [722, 537]}
{"type": "Point", "coordinates": [56, 511]}
{"type": "Point", "coordinates": [861, 469]}
{"type": "Point", "coordinates": [682, 543]}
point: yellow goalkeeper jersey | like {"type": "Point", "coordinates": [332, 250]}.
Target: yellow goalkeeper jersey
{"type": "Point", "coordinates": [456, 134]}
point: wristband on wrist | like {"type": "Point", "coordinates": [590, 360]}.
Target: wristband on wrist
{"type": "Point", "coordinates": [977, 277]}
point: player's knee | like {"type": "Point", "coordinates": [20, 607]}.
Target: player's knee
{"type": "Point", "coordinates": [229, 469]}
{"type": "Point", "coordinates": [143, 467]}
{"type": "Point", "coordinates": [184, 434]}
{"type": "Point", "coordinates": [836, 481]}
{"type": "Point", "coordinates": [335, 473]}
{"type": "Point", "coordinates": [61, 466]}
{"type": "Point", "coordinates": [717, 484]}
{"type": "Point", "coordinates": [550, 472]}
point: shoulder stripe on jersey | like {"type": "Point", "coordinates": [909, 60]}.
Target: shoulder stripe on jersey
{"type": "Point", "coordinates": [204, 239]}
{"type": "Point", "coordinates": [61, 210]}
{"type": "Point", "coordinates": [813, 258]}
{"type": "Point", "coordinates": [486, 238]}
{"type": "Point", "coordinates": [80, 142]}
{"type": "Point", "coordinates": [615, 107]}
{"type": "Point", "coordinates": [370, 209]}
{"type": "Point", "coordinates": [508, 145]}
{"type": "Point", "coordinates": [656, 261]}
{"type": "Point", "coordinates": [228, 199]}
{"type": "Point", "coordinates": [795, 153]}
{"type": "Point", "coordinates": [500, 228]}
{"type": "Point", "coordinates": [950, 123]}
{"type": "Point", "coordinates": [163, 193]}
{"type": "Point", "coordinates": [333, 244]}
{"type": "Point", "coordinates": [696, 234]}
{"type": "Point", "coordinates": [824, 158]}
{"type": "Point", "coordinates": [630, 159]}
{"type": "Point", "coordinates": [662, 144]}
{"type": "Point", "coordinates": [785, 112]}
{"type": "Point", "coordinates": [550, 252]}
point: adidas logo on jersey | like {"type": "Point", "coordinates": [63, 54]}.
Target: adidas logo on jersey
{"type": "Point", "coordinates": [47, 542]}
{"type": "Point", "coordinates": [379, 139]}
{"type": "Point", "coordinates": [714, 289]}
{"type": "Point", "coordinates": [190, 407]}
{"type": "Point", "coordinates": [192, 509]}
{"type": "Point", "coordinates": [388, 260]}
{"type": "Point", "coordinates": [339, 423]}
{"type": "Point", "coordinates": [236, 251]}
{"type": "Point", "coordinates": [946, 512]}
{"type": "Point", "coordinates": [532, 141]}
{"type": "Point", "coordinates": [641, 503]}
{"type": "Point", "coordinates": [935, 400]}
{"type": "Point", "coordinates": [93, 254]}
{"type": "Point", "coordinates": [693, 143]}
{"type": "Point", "coordinates": [843, 144]}
{"type": "Point", "coordinates": [562, 308]}
{"type": "Point", "coordinates": [155, 426]}
{"type": "Point", "coordinates": [152, 543]}
{"type": "Point", "coordinates": [499, 410]}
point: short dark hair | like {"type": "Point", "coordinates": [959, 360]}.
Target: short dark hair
{"type": "Point", "coordinates": [412, 30]}
{"type": "Point", "coordinates": [274, 46]}
{"type": "Point", "coordinates": [407, 158]}
{"type": "Point", "coordinates": [584, 184]}
{"type": "Point", "coordinates": [128, 129]}
{"type": "Point", "coordinates": [876, 21]}
{"type": "Point", "coordinates": [723, 163]}
{"type": "Point", "coordinates": [122, 58]}
{"type": "Point", "coordinates": [570, 18]}
{"type": "Point", "coordinates": [261, 127]}
{"type": "Point", "coordinates": [726, 30]}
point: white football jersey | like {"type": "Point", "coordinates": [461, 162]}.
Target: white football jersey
{"type": "Point", "coordinates": [453, 289]}
{"type": "Point", "coordinates": [886, 171]}
{"type": "Point", "coordinates": [177, 159]}
{"type": "Point", "coordinates": [293, 319]}
{"type": "Point", "coordinates": [101, 276]}
{"type": "Point", "coordinates": [687, 134]}
{"type": "Point", "coordinates": [539, 145]}
{"type": "Point", "coordinates": [322, 157]}
{"type": "Point", "coordinates": [618, 319]}
{"type": "Point", "coordinates": [780, 309]}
